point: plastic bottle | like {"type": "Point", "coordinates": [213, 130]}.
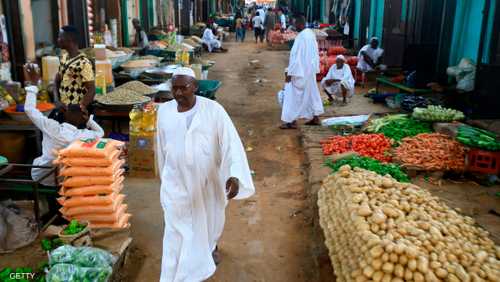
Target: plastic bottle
{"type": "Point", "coordinates": [50, 66]}
{"type": "Point", "coordinates": [178, 57]}
{"type": "Point", "coordinates": [149, 119]}
{"type": "Point", "coordinates": [185, 57]}
{"type": "Point", "coordinates": [135, 126]}
{"type": "Point", "coordinates": [100, 82]}
{"type": "Point", "coordinates": [106, 67]}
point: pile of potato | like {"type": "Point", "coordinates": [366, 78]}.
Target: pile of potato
{"type": "Point", "coordinates": [378, 229]}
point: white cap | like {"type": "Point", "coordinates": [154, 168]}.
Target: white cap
{"type": "Point", "coordinates": [184, 71]}
{"type": "Point", "coordinates": [341, 57]}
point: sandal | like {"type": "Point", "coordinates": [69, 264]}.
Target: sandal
{"type": "Point", "coordinates": [288, 126]}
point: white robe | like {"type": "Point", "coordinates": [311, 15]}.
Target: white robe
{"type": "Point", "coordinates": [210, 40]}
{"type": "Point", "coordinates": [194, 166]}
{"type": "Point", "coordinates": [374, 54]}
{"type": "Point", "coordinates": [345, 77]}
{"type": "Point", "coordinates": [302, 98]}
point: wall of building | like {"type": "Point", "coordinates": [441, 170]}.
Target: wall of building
{"type": "Point", "coordinates": [27, 27]}
{"type": "Point", "coordinates": [376, 19]}
{"type": "Point", "coordinates": [467, 30]}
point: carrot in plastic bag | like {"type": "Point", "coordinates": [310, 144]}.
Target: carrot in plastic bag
{"type": "Point", "coordinates": [87, 200]}
{"type": "Point", "coordinates": [88, 162]}
{"type": "Point", "coordinates": [121, 223]}
{"type": "Point", "coordinates": [116, 187]}
{"type": "Point", "coordinates": [92, 171]}
{"type": "Point", "coordinates": [91, 148]}
{"type": "Point", "coordinates": [93, 208]}
{"type": "Point", "coordinates": [80, 181]}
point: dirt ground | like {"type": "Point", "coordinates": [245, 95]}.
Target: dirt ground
{"type": "Point", "coordinates": [267, 237]}
{"type": "Point", "coordinates": [272, 236]}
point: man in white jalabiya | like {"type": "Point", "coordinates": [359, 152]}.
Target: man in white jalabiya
{"type": "Point", "coordinates": [370, 57]}
{"type": "Point", "coordinates": [213, 44]}
{"type": "Point", "coordinates": [339, 81]}
{"type": "Point", "coordinates": [302, 98]}
{"type": "Point", "coordinates": [202, 165]}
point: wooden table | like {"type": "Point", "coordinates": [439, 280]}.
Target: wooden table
{"type": "Point", "coordinates": [9, 125]}
{"type": "Point", "coordinates": [387, 81]}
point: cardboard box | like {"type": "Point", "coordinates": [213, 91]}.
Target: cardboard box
{"type": "Point", "coordinates": [142, 157]}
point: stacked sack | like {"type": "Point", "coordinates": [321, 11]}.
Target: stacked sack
{"type": "Point", "coordinates": [93, 180]}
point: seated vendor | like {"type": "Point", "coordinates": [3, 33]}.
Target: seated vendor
{"type": "Point", "coordinates": [339, 82]}
{"type": "Point", "coordinates": [210, 40]}
{"type": "Point", "coordinates": [370, 57]}
{"type": "Point", "coordinates": [141, 38]}
{"type": "Point", "coordinates": [56, 136]}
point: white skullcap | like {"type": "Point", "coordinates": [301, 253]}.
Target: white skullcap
{"type": "Point", "coordinates": [216, 25]}
{"type": "Point", "coordinates": [374, 38]}
{"type": "Point", "coordinates": [184, 71]}
{"type": "Point", "coordinates": [341, 57]}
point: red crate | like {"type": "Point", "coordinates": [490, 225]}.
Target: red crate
{"type": "Point", "coordinates": [485, 162]}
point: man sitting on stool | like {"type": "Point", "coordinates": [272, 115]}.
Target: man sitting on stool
{"type": "Point", "coordinates": [370, 57]}
{"type": "Point", "coordinates": [339, 81]}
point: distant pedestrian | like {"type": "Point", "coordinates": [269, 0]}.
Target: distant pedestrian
{"type": "Point", "coordinates": [258, 28]}
{"type": "Point", "coordinates": [269, 23]}
{"type": "Point", "coordinates": [240, 28]}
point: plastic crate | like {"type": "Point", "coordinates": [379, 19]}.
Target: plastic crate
{"type": "Point", "coordinates": [208, 88]}
{"type": "Point", "coordinates": [485, 162]}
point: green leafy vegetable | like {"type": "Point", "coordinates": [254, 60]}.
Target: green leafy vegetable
{"type": "Point", "coordinates": [437, 113]}
{"type": "Point", "coordinates": [74, 227]}
{"type": "Point", "coordinates": [369, 164]}
{"type": "Point", "coordinates": [401, 127]}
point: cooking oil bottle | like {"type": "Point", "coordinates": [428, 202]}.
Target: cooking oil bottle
{"type": "Point", "coordinates": [100, 82]}
{"type": "Point", "coordinates": [135, 120]}
{"type": "Point", "coordinates": [149, 118]}
{"type": "Point", "coordinates": [185, 57]}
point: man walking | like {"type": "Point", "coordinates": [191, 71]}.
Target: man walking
{"type": "Point", "coordinates": [269, 23]}
{"type": "Point", "coordinates": [302, 97]}
{"type": "Point", "coordinates": [202, 165]}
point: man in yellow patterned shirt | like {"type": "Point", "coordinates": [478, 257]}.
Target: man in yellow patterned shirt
{"type": "Point", "coordinates": [75, 79]}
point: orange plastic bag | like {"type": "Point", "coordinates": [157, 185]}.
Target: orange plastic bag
{"type": "Point", "coordinates": [87, 200]}
{"type": "Point", "coordinates": [116, 187]}
{"type": "Point", "coordinates": [92, 171]}
{"type": "Point", "coordinates": [88, 162]}
{"type": "Point", "coordinates": [101, 217]}
{"type": "Point", "coordinates": [72, 211]}
{"type": "Point", "coordinates": [81, 181]}
{"type": "Point", "coordinates": [120, 224]}
{"type": "Point", "coordinates": [91, 148]}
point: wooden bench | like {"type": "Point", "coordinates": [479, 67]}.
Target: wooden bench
{"type": "Point", "coordinates": [387, 81]}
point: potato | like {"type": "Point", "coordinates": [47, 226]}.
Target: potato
{"type": "Point", "coordinates": [388, 267]}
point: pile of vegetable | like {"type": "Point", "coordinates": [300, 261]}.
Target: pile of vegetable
{"type": "Point", "coordinates": [376, 146]}
{"type": "Point", "coordinates": [437, 113]}
{"type": "Point", "coordinates": [74, 227]}
{"type": "Point", "coordinates": [431, 151]}
{"type": "Point", "coordinates": [378, 229]}
{"type": "Point", "coordinates": [398, 127]}
{"type": "Point", "coordinates": [369, 164]}
{"type": "Point", "coordinates": [68, 263]}
{"type": "Point", "coordinates": [478, 138]}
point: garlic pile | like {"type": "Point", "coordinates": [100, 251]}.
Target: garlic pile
{"type": "Point", "coordinates": [378, 229]}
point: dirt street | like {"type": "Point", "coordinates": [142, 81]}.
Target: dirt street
{"type": "Point", "coordinates": [267, 237]}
